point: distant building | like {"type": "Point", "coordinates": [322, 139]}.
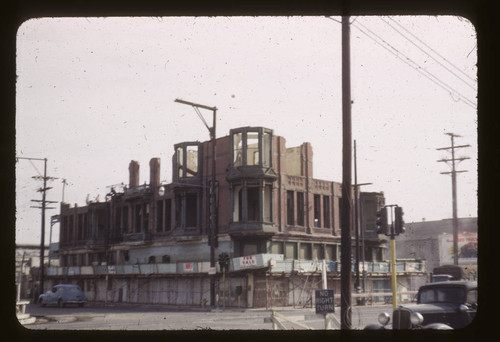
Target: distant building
{"type": "Point", "coordinates": [433, 241]}
{"type": "Point", "coordinates": [148, 243]}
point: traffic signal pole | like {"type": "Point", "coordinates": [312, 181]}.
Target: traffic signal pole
{"type": "Point", "coordinates": [396, 228]}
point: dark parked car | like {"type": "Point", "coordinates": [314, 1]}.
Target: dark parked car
{"type": "Point", "coordinates": [63, 294]}
{"type": "Point", "coordinates": [444, 305]}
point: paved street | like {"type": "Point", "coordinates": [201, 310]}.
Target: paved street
{"type": "Point", "coordinates": [159, 317]}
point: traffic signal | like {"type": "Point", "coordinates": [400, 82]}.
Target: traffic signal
{"type": "Point", "coordinates": [399, 224]}
{"type": "Point", "coordinates": [382, 226]}
{"type": "Point", "coordinates": [224, 261]}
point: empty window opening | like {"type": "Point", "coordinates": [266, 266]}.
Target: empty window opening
{"type": "Point", "coordinates": [253, 204]}
{"type": "Point", "coordinates": [192, 161]}
{"type": "Point", "coordinates": [238, 149]}
{"type": "Point", "coordinates": [180, 162]}
{"type": "Point", "coordinates": [326, 211]}
{"type": "Point", "coordinates": [237, 202]}
{"type": "Point", "coordinates": [268, 203]}
{"type": "Point", "coordinates": [138, 218]}
{"type": "Point", "coordinates": [253, 155]}
{"type": "Point", "coordinates": [191, 210]}
{"type": "Point", "coordinates": [300, 209]}
{"type": "Point", "coordinates": [178, 210]}
{"type": "Point", "coordinates": [289, 208]}
{"type": "Point", "coordinates": [266, 150]}
{"type": "Point", "coordinates": [159, 216]}
{"type": "Point", "coordinates": [317, 211]}
{"type": "Point", "coordinates": [168, 214]}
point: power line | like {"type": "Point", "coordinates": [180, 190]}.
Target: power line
{"type": "Point", "coordinates": [444, 58]}
{"type": "Point", "coordinates": [418, 47]}
{"type": "Point", "coordinates": [413, 64]}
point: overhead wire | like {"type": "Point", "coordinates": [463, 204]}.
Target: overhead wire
{"type": "Point", "coordinates": [413, 64]}
{"type": "Point", "coordinates": [430, 48]}
{"type": "Point", "coordinates": [418, 47]}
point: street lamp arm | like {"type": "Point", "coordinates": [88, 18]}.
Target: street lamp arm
{"type": "Point", "coordinates": [195, 104]}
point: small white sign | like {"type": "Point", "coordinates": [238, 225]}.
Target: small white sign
{"type": "Point", "coordinates": [111, 269]}
{"type": "Point", "coordinates": [212, 270]}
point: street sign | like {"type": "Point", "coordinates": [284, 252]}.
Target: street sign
{"type": "Point", "coordinates": [325, 301]}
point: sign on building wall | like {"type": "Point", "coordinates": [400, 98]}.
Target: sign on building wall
{"type": "Point", "coordinates": [325, 301]}
{"type": "Point", "coordinates": [467, 249]}
{"type": "Point", "coordinates": [248, 261]}
{"type": "Point", "coordinates": [188, 267]}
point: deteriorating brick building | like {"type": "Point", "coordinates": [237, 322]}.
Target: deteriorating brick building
{"type": "Point", "coordinates": [149, 242]}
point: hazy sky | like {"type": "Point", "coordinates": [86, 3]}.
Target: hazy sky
{"type": "Point", "coordinates": [95, 93]}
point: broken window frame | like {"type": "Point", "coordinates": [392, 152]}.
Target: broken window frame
{"type": "Point", "coordinates": [251, 146]}
{"type": "Point", "coordinates": [187, 166]}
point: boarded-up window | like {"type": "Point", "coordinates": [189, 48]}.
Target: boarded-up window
{"type": "Point", "coordinates": [318, 252]}
{"type": "Point", "coordinates": [305, 251]}
{"type": "Point", "coordinates": [290, 250]}
{"type": "Point", "coordinates": [277, 248]}
{"type": "Point", "coordinates": [249, 249]}
{"type": "Point", "coordinates": [330, 252]}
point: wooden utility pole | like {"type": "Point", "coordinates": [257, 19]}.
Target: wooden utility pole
{"type": "Point", "coordinates": [345, 246]}
{"type": "Point", "coordinates": [453, 173]}
{"type": "Point", "coordinates": [43, 205]}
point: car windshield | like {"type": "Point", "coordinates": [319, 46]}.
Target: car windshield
{"type": "Point", "coordinates": [441, 295]}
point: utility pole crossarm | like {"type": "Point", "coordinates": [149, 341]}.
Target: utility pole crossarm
{"type": "Point", "coordinates": [456, 159]}
{"type": "Point", "coordinates": [452, 172]}
{"type": "Point", "coordinates": [447, 148]}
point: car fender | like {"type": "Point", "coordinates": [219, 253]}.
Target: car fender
{"type": "Point", "coordinates": [438, 326]}
{"type": "Point", "coordinates": [375, 327]}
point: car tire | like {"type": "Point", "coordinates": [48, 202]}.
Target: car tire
{"type": "Point", "coordinates": [41, 302]}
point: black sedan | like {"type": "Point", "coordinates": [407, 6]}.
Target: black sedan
{"type": "Point", "coordinates": [443, 305]}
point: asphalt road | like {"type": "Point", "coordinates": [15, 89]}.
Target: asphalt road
{"type": "Point", "coordinates": [159, 317]}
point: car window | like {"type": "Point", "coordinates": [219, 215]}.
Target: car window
{"type": "Point", "coordinates": [442, 295]}
{"type": "Point", "coordinates": [472, 297]}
